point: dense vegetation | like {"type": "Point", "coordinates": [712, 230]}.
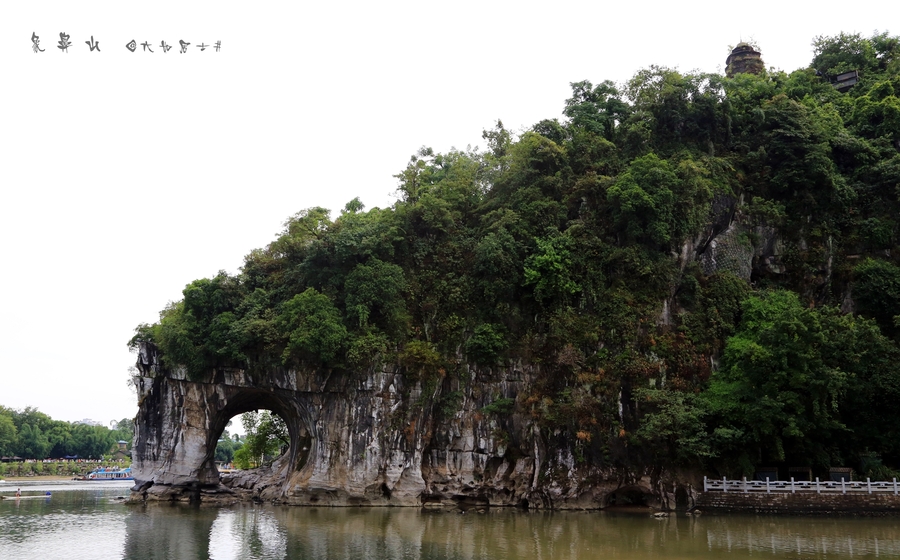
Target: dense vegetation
{"type": "Point", "coordinates": [31, 434]}
{"type": "Point", "coordinates": [581, 246]}
{"type": "Point", "coordinates": [265, 438]}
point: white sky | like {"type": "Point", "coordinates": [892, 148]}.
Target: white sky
{"type": "Point", "coordinates": [125, 176]}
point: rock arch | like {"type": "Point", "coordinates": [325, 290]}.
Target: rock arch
{"type": "Point", "coordinates": [375, 437]}
{"type": "Point", "coordinates": [339, 452]}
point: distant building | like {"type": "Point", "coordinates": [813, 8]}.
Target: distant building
{"type": "Point", "coordinates": [121, 450]}
{"type": "Point", "coordinates": [744, 59]}
{"type": "Point", "coordinates": [88, 422]}
{"type": "Point", "coordinates": [843, 82]}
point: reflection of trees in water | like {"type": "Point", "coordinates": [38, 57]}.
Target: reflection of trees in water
{"type": "Point", "coordinates": [836, 537]}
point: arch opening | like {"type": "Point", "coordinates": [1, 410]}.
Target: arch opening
{"type": "Point", "coordinates": [291, 438]}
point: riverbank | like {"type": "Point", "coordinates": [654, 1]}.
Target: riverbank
{"type": "Point", "coordinates": [800, 503]}
{"type": "Point", "coordinates": [36, 478]}
{"type": "Point", "coordinates": [62, 469]}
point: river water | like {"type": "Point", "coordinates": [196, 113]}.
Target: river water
{"type": "Point", "coordinates": [86, 520]}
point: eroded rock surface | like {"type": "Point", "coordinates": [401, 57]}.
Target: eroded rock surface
{"type": "Point", "coordinates": [368, 438]}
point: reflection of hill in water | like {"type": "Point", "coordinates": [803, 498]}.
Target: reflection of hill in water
{"type": "Point", "coordinates": [162, 531]}
{"type": "Point", "coordinates": [91, 524]}
{"type": "Point", "coordinates": [834, 537]}
{"type": "Point", "coordinates": [247, 531]}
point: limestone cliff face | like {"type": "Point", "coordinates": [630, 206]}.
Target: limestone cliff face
{"type": "Point", "coordinates": [367, 438]}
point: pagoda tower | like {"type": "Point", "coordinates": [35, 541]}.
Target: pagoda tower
{"type": "Point", "coordinates": [744, 59]}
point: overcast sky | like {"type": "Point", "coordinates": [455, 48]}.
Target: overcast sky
{"type": "Point", "coordinates": [126, 175]}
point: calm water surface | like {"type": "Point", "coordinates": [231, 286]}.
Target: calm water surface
{"type": "Point", "coordinates": [84, 520]}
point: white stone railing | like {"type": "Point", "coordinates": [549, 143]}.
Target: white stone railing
{"type": "Point", "coordinates": [792, 486]}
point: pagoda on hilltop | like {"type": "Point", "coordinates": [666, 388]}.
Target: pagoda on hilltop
{"type": "Point", "coordinates": [744, 59]}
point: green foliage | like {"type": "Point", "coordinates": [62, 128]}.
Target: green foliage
{"type": "Point", "coordinates": [225, 449]}
{"type": "Point", "coordinates": [672, 427]}
{"type": "Point", "coordinates": [314, 328]}
{"type": "Point", "coordinates": [31, 434]}
{"type": "Point", "coordinates": [877, 114]}
{"type": "Point", "coordinates": [549, 268]}
{"type": "Point", "coordinates": [242, 459]}
{"type": "Point", "coordinates": [656, 204]}
{"type": "Point", "coordinates": [364, 349]}
{"type": "Point", "coordinates": [450, 403]}
{"type": "Point", "coordinates": [503, 406]}
{"type": "Point", "coordinates": [845, 52]}
{"type": "Point", "coordinates": [375, 291]}
{"type": "Point", "coordinates": [872, 467]}
{"type": "Point", "coordinates": [497, 269]}
{"type": "Point", "coordinates": [265, 438]}
{"type": "Point", "coordinates": [596, 109]}
{"type": "Point", "coordinates": [8, 435]}
{"type": "Point", "coordinates": [777, 394]}
{"type": "Point", "coordinates": [642, 201]}
{"type": "Point", "coordinates": [877, 291]}
{"type": "Point", "coordinates": [486, 344]}
{"type": "Point", "coordinates": [420, 357]}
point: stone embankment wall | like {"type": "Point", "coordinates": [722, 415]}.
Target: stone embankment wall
{"type": "Point", "coordinates": [806, 503]}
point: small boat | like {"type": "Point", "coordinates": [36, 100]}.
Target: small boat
{"type": "Point", "coordinates": [108, 474]}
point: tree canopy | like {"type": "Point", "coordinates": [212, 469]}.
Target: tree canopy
{"type": "Point", "coordinates": [31, 434]}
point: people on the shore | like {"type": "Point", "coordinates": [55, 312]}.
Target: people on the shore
{"type": "Point", "coordinates": [18, 492]}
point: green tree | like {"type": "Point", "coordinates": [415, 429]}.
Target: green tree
{"type": "Point", "coordinates": [375, 291]}
{"type": "Point", "coordinates": [486, 344]}
{"type": "Point", "coordinates": [225, 449]}
{"type": "Point", "coordinates": [549, 268]}
{"type": "Point", "coordinates": [775, 397]}
{"type": "Point", "coordinates": [60, 437]}
{"type": "Point", "coordinates": [672, 427]}
{"type": "Point", "coordinates": [877, 114]}
{"type": "Point", "coordinates": [33, 444]}
{"type": "Point", "coordinates": [313, 327]}
{"type": "Point", "coordinates": [265, 438]}
{"type": "Point", "coordinates": [597, 109]}
{"type": "Point", "coordinates": [852, 51]}
{"type": "Point", "coordinates": [8, 434]}
{"type": "Point", "coordinates": [124, 429]}
{"type": "Point", "coordinates": [868, 405]}
{"type": "Point", "coordinates": [497, 267]}
{"type": "Point", "coordinates": [92, 442]}
{"type": "Point", "coordinates": [877, 292]}
{"type": "Point", "coordinates": [643, 202]}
